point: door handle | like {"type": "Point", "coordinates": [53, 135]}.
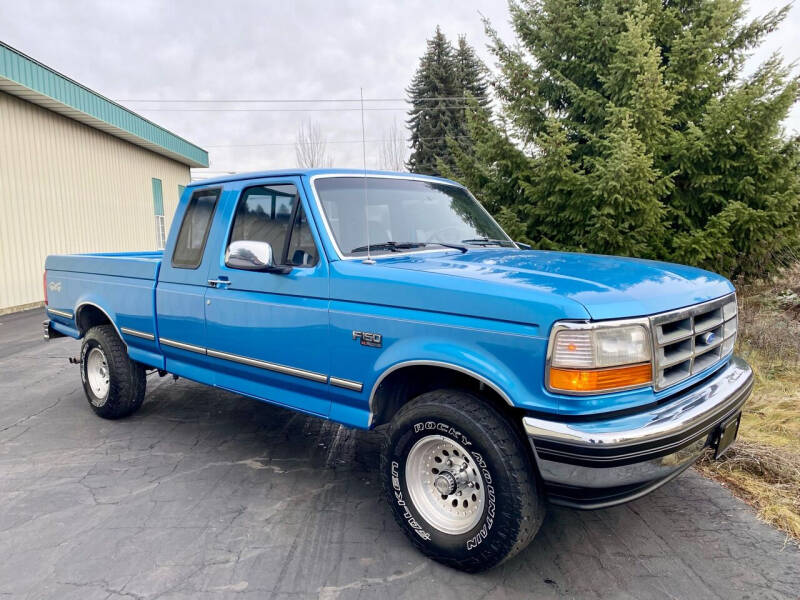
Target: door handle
{"type": "Point", "coordinates": [218, 282]}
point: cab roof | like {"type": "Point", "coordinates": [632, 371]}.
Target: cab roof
{"type": "Point", "coordinates": [311, 173]}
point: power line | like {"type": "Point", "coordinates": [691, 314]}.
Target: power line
{"type": "Point", "coordinates": [296, 100]}
{"type": "Point", "coordinates": [382, 108]}
{"type": "Point", "coordinates": [375, 141]}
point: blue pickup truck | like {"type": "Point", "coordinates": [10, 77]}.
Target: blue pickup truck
{"type": "Point", "coordinates": [505, 377]}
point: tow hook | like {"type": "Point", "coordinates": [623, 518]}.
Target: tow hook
{"type": "Point", "coordinates": [74, 360]}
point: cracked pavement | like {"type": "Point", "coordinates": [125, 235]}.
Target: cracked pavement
{"type": "Point", "coordinates": [205, 494]}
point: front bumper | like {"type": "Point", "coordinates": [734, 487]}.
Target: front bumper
{"type": "Point", "coordinates": [600, 463]}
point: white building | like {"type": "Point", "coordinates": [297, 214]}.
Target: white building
{"type": "Point", "coordinates": [78, 173]}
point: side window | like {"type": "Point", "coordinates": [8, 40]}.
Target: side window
{"type": "Point", "coordinates": [192, 236]}
{"type": "Point", "coordinates": [273, 214]}
{"type": "Point", "coordinates": [264, 214]}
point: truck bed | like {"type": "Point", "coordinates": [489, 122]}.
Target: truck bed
{"type": "Point", "coordinates": [139, 265]}
{"type": "Point", "coordinates": [120, 285]}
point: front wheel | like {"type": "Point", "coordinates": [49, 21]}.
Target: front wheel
{"type": "Point", "coordinates": [114, 384]}
{"type": "Point", "coordinates": [459, 481]}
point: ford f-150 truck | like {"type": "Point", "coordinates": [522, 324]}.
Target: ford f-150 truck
{"type": "Point", "coordinates": [505, 377]}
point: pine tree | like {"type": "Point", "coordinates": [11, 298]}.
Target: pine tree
{"type": "Point", "coordinates": [432, 116]}
{"type": "Point", "coordinates": [447, 80]}
{"type": "Point", "coordinates": [634, 132]}
{"type": "Point", "coordinates": [471, 91]}
{"type": "Point", "coordinates": [470, 73]}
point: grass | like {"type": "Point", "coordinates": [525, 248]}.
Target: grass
{"type": "Point", "coordinates": [763, 467]}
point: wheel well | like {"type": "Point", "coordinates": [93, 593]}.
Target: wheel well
{"type": "Point", "coordinates": [406, 383]}
{"type": "Point", "coordinates": [89, 316]}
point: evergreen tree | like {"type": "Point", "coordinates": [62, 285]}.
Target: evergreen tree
{"type": "Point", "coordinates": [471, 92]}
{"type": "Point", "coordinates": [438, 94]}
{"type": "Point", "coordinates": [470, 73]}
{"type": "Point", "coordinates": [432, 116]}
{"type": "Point", "coordinates": [633, 131]}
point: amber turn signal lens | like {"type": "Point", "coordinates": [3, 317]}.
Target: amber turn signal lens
{"type": "Point", "coordinates": [600, 380]}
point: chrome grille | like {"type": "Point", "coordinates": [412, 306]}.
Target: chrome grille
{"type": "Point", "coordinates": [689, 340]}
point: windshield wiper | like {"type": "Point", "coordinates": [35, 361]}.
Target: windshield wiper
{"type": "Point", "coordinates": [448, 245]}
{"type": "Point", "coordinates": [485, 241]}
{"type": "Point", "coordinates": [393, 246]}
{"type": "Point", "coordinates": [398, 246]}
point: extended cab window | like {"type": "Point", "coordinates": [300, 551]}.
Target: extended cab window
{"type": "Point", "coordinates": [192, 237]}
{"type": "Point", "coordinates": [275, 215]}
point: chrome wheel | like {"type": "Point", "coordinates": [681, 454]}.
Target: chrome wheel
{"type": "Point", "coordinates": [97, 375]}
{"type": "Point", "coordinates": [444, 484]}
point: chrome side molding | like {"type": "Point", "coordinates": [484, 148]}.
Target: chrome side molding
{"type": "Point", "coordinates": [182, 346]}
{"type": "Point", "coordinates": [262, 364]}
{"type": "Point", "coordinates": [136, 333]}
{"type": "Point", "coordinates": [60, 313]}
{"type": "Point", "coordinates": [348, 384]}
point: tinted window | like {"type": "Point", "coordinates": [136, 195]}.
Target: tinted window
{"type": "Point", "coordinates": [191, 242]}
{"type": "Point", "coordinates": [266, 214]}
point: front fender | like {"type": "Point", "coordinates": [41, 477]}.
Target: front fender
{"type": "Point", "coordinates": [509, 358]}
{"type": "Point", "coordinates": [471, 360]}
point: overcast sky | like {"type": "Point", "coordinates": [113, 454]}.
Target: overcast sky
{"type": "Point", "coordinates": [149, 50]}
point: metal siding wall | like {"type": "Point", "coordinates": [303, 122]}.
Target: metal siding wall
{"type": "Point", "coordinates": [68, 188]}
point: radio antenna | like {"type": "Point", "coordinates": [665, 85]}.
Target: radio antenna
{"type": "Point", "coordinates": [368, 260]}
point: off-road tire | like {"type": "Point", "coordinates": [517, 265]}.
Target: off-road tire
{"type": "Point", "coordinates": [513, 510]}
{"type": "Point", "coordinates": [126, 378]}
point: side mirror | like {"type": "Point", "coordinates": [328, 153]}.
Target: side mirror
{"type": "Point", "coordinates": [250, 255]}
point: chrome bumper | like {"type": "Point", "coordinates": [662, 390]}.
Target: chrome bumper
{"type": "Point", "coordinates": [599, 463]}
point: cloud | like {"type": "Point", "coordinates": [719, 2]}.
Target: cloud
{"type": "Point", "coordinates": [260, 49]}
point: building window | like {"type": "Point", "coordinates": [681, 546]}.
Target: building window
{"type": "Point", "coordinates": [161, 234]}
{"type": "Point", "coordinates": [158, 210]}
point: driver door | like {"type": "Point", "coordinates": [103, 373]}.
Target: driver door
{"type": "Point", "coordinates": [268, 332]}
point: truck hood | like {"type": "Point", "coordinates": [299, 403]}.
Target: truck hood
{"type": "Point", "coordinates": [608, 287]}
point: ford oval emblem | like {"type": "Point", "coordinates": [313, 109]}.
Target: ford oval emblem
{"type": "Point", "coordinates": [709, 338]}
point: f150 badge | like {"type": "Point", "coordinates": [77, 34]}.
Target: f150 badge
{"type": "Point", "coordinates": [375, 340]}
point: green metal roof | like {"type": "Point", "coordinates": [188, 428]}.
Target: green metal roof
{"type": "Point", "coordinates": [27, 78]}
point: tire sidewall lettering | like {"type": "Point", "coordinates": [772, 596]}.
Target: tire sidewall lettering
{"type": "Point", "coordinates": [491, 506]}
{"type": "Point", "coordinates": [398, 494]}
{"type": "Point", "coordinates": [432, 426]}
{"type": "Point", "coordinates": [84, 351]}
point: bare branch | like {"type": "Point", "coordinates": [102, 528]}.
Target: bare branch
{"type": "Point", "coordinates": [311, 149]}
{"type": "Point", "coordinates": [393, 149]}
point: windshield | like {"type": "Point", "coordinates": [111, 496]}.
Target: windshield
{"type": "Point", "coordinates": [403, 215]}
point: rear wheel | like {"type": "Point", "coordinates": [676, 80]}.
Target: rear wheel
{"type": "Point", "coordinates": [459, 480]}
{"type": "Point", "coordinates": [114, 384]}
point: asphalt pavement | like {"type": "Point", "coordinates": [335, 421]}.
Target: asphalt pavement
{"type": "Point", "coordinates": [205, 494]}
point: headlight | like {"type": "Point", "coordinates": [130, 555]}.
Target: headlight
{"type": "Point", "coordinates": [597, 358]}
